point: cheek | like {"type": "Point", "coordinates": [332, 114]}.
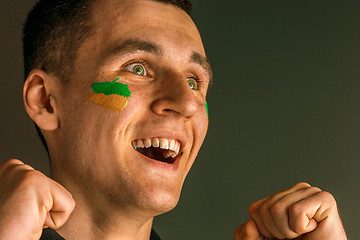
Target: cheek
{"type": "Point", "coordinates": [206, 108]}
{"type": "Point", "coordinates": [207, 115]}
{"type": "Point", "coordinates": [202, 122]}
{"type": "Point", "coordinates": [111, 95]}
{"type": "Point", "coordinates": [112, 102]}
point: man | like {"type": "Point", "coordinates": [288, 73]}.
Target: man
{"type": "Point", "coordinates": [118, 90]}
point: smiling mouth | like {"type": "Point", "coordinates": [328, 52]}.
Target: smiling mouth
{"type": "Point", "coordinates": [159, 149]}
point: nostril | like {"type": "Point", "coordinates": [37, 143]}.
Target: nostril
{"type": "Point", "coordinates": [176, 98]}
{"type": "Point", "coordinates": [169, 111]}
{"type": "Point", "coordinates": [184, 106]}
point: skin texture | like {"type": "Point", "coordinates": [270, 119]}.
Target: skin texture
{"type": "Point", "coordinates": [117, 191]}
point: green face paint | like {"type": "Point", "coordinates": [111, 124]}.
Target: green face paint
{"type": "Point", "coordinates": [207, 109]}
{"type": "Point", "coordinates": [112, 95]}
{"type": "Point", "coordinates": [113, 87]}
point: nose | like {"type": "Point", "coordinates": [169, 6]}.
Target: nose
{"type": "Point", "coordinates": [174, 96]}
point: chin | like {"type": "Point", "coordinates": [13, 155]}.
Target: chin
{"type": "Point", "coordinates": [161, 203]}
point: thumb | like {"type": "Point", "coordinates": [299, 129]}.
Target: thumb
{"type": "Point", "coordinates": [62, 206]}
{"type": "Point", "coordinates": [55, 220]}
{"type": "Point", "coordinates": [247, 231]}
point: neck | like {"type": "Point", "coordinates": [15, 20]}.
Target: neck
{"type": "Point", "coordinates": [83, 226]}
{"type": "Point", "coordinates": [99, 218]}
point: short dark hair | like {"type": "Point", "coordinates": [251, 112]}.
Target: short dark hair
{"type": "Point", "coordinates": [54, 31]}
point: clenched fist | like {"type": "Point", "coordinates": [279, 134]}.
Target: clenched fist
{"type": "Point", "coordinates": [30, 201]}
{"type": "Point", "coordinates": [301, 212]}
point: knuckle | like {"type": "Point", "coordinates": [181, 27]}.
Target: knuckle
{"type": "Point", "coordinates": [44, 200]}
{"type": "Point", "coordinates": [277, 208]}
{"type": "Point", "coordinates": [302, 185]}
{"type": "Point", "coordinates": [263, 209]}
{"type": "Point", "coordinates": [72, 204]}
{"type": "Point", "coordinates": [241, 232]}
{"type": "Point", "coordinates": [247, 228]}
{"type": "Point", "coordinates": [327, 196]}
{"type": "Point", "coordinates": [13, 162]}
{"type": "Point", "coordinates": [8, 163]}
{"type": "Point", "coordinates": [252, 209]}
{"type": "Point", "coordinates": [30, 177]}
{"type": "Point", "coordinates": [237, 234]}
{"type": "Point", "coordinates": [315, 189]}
{"type": "Point", "coordinates": [295, 210]}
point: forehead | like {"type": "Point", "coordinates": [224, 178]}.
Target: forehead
{"type": "Point", "coordinates": [170, 27]}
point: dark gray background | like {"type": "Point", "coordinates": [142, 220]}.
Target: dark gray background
{"type": "Point", "coordinates": [284, 108]}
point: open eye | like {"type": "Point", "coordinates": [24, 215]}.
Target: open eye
{"type": "Point", "coordinates": [192, 83]}
{"type": "Point", "coordinates": [137, 68]}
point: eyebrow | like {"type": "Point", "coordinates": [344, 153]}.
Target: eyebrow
{"type": "Point", "coordinates": [133, 46]}
{"type": "Point", "coordinates": [204, 63]}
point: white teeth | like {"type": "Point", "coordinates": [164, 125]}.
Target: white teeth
{"type": "Point", "coordinates": [172, 145]}
{"type": "Point", "coordinates": [164, 143]}
{"type": "Point", "coordinates": [177, 148]}
{"type": "Point", "coordinates": [133, 143]}
{"type": "Point", "coordinates": [168, 154]}
{"type": "Point", "coordinates": [147, 143]}
{"type": "Point", "coordinates": [140, 143]}
{"type": "Point", "coordinates": [155, 142]}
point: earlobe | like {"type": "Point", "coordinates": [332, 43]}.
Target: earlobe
{"type": "Point", "coordinates": [40, 100]}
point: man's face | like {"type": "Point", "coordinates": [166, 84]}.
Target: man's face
{"type": "Point", "coordinates": [96, 149]}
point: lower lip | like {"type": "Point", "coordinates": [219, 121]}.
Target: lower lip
{"type": "Point", "coordinates": [162, 165]}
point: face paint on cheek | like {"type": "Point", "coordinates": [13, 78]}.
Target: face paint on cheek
{"type": "Point", "coordinates": [207, 112]}
{"type": "Point", "coordinates": [207, 108]}
{"type": "Point", "coordinates": [112, 95]}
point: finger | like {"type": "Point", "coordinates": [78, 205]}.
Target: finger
{"type": "Point", "coordinates": [258, 220]}
{"type": "Point", "coordinates": [280, 210]}
{"type": "Point", "coordinates": [266, 210]}
{"type": "Point", "coordinates": [11, 173]}
{"type": "Point", "coordinates": [247, 231]}
{"type": "Point", "coordinates": [306, 214]}
{"type": "Point", "coordinates": [10, 164]}
{"type": "Point", "coordinates": [260, 211]}
{"type": "Point", "coordinates": [62, 206]}
{"type": "Point", "coordinates": [265, 214]}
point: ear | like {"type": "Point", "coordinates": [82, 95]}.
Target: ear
{"type": "Point", "coordinates": [40, 99]}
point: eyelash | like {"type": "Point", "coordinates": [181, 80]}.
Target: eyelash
{"type": "Point", "coordinates": [198, 81]}
{"type": "Point", "coordinates": [140, 61]}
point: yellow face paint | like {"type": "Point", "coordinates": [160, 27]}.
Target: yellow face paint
{"type": "Point", "coordinates": [112, 95]}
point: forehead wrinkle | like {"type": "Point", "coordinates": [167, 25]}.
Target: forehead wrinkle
{"type": "Point", "coordinates": [203, 62]}
{"type": "Point", "coordinates": [133, 46]}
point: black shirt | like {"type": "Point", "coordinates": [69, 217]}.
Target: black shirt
{"type": "Point", "coordinates": [50, 234]}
